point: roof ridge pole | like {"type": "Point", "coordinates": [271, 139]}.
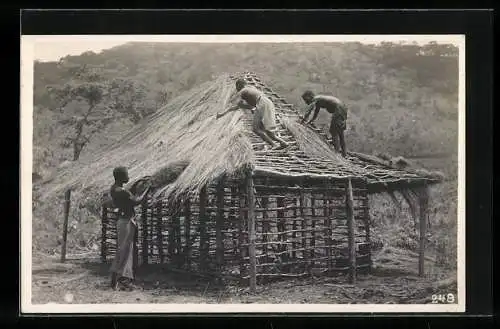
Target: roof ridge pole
{"type": "Point", "coordinates": [251, 231]}
{"type": "Point", "coordinates": [351, 231]}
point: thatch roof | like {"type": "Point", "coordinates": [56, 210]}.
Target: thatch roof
{"type": "Point", "coordinates": [185, 134]}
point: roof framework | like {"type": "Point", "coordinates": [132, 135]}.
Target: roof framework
{"type": "Point", "coordinates": [293, 162]}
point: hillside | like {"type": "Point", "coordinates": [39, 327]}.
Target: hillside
{"type": "Point", "coordinates": [399, 102]}
{"type": "Point", "coordinates": [402, 100]}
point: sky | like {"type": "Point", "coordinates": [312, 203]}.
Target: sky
{"type": "Point", "coordinates": [52, 48]}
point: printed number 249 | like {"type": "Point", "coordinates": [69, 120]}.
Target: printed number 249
{"type": "Point", "coordinates": [449, 298]}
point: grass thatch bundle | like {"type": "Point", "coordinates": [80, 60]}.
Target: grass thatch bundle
{"type": "Point", "coordinates": [400, 162]}
{"type": "Point", "coordinates": [310, 142]}
{"type": "Point", "coordinates": [181, 147]}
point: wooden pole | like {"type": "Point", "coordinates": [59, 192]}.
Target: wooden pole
{"type": "Point", "coordinates": [67, 204]}
{"type": "Point", "coordinates": [243, 214]}
{"type": "Point", "coordinates": [144, 215]}
{"type": "Point", "coordinates": [328, 233]}
{"type": "Point", "coordinates": [135, 255]}
{"type": "Point", "coordinates": [170, 230]}
{"type": "Point", "coordinates": [219, 222]}
{"type": "Point", "coordinates": [176, 221]}
{"type": "Point", "coordinates": [233, 219]}
{"type": "Point", "coordinates": [313, 227]}
{"type": "Point", "coordinates": [367, 227]}
{"type": "Point", "coordinates": [251, 231]}
{"type": "Point", "coordinates": [265, 225]}
{"type": "Point", "coordinates": [303, 225]}
{"type": "Point", "coordinates": [423, 203]}
{"type": "Point", "coordinates": [294, 229]}
{"type": "Point", "coordinates": [104, 223]}
{"type": "Point", "coordinates": [159, 230]}
{"type": "Point", "coordinates": [352, 232]}
{"type": "Point", "coordinates": [187, 232]}
{"type": "Point", "coordinates": [203, 229]}
{"type": "Point", "coordinates": [280, 202]}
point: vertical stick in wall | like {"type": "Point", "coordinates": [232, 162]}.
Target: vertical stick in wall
{"type": "Point", "coordinates": [251, 231]}
{"type": "Point", "coordinates": [219, 223]}
{"type": "Point", "coordinates": [104, 221]}
{"type": "Point", "coordinates": [241, 220]}
{"type": "Point", "coordinates": [366, 203]}
{"type": "Point", "coordinates": [145, 245]}
{"type": "Point", "coordinates": [424, 204]}
{"type": "Point", "coordinates": [159, 230]}
{"type": "Point", "coordinates": [327, 223]}
{"type": "Point", "coordinates": [233, 219]}
{"type": "Point", "coordinates": [351, 232]}
{"type": "Point", "coordinates": [280, 202]}
{"type": "Point", "coordinates": [303, 225]}
{"type": "Point", "coordinates": [187, 232]}
{"type": "Point", "coordinates": [294, 229]}
{"type": "Point", "coordinates": [265, 225]}
{"type": "Point", "coordinates": [67, 204]}
{"type": "Point", "coordinates": [176, 220]}
{"type": "Point", "coordinates": [313, 227]}
{"type": "Point", "coordinates": [203, 229]}
{"type": "Point", "coordinates": [170, 230]}
{"type": "Point", "coordinates": [135, 254]}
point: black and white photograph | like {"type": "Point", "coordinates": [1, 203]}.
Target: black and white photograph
{"type": "Point", "coordinates": [242, 173]}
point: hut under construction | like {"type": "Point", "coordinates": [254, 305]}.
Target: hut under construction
{"type": "Point", "coordinates": [291, 213]}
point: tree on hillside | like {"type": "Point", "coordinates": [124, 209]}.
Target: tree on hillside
{"type": "Point", "coordinates": [90, 103]}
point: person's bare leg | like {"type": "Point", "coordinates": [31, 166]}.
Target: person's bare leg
{"type": "Point", "coordinates": [273, 136]}
{"type": "Point", "coordinates": [335, 140]}
{"type": "Point", "coordinates": [342, 143]}
{"type": "Point", "coordinates": [264, 136]}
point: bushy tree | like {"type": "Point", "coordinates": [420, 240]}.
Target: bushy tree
{"type": "Point", "coordinates": [90, 103]}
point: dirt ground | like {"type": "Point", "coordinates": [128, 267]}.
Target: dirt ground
{"type": "Point", "coordinates": [393, 279]}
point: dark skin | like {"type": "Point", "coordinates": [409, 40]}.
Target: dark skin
{"type": "Point", "coordinates": [132, 198]}
{"type": "Point", "coordinates": [332, 105]}
{"type": "Point", "coordinates": [128, 200]}
{"type": "Point", "coordinates": [267, 135]}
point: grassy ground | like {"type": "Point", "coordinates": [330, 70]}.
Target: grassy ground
{"type": "Point", "coordinates": [393, 279]}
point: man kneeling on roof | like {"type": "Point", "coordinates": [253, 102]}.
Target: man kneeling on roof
{"type": "Point", "coordinates": [264, 121]}
{"type": "Point", "coordinates": [339, 115]}
{"type": "Point", "coordinates": [122, 270]}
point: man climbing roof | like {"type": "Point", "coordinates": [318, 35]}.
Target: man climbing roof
{"type": "Point", "coordinates": [264, 121]}
{"type": "Point", "coordinates": [338, 111]}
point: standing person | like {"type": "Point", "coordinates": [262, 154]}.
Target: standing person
{"type": "Point", "coordinates": [122, 270]}
{"type": "Point", "coordinates": [264, 121]}
{"type": "Point", "coordinates": [339, 116]}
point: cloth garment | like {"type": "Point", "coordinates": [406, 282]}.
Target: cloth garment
{"type": "Point", "coordinates": [264, 116]}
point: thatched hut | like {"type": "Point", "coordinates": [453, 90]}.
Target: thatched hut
{"type": "Point", "coordinates": [232, 208]}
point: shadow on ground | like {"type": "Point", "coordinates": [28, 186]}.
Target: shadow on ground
{"type": "Point", "coordinates": [161, 276]}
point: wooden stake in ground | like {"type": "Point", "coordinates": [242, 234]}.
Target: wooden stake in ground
{"type": "Point", "coordinates": [67, 203]}
{"type": "Point", "coordinates": [423, 196]}
{"type": "Point", "coordinates": [104, 224]}
{"type": "Point", "coordinates": [251, 232]}
{"type": "Point", "coordinates": [351, 232]}
{"type": "Point", "coordinates": [203, 229]}
{"type": "Point", "coordinates": [219, 222]}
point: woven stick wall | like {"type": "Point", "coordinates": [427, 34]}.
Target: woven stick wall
{"type": "Point", "coordinates": [299, 230]}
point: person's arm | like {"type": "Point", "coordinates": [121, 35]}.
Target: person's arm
{"type": "Point", "coordinates": [309, 109]}
{"type": "Point", "coordinates": [240, 104]}
{"type": "Point", "coordinates": [137, 200]}
{"type": "Point", "coordinates": [231, 109]}
{"type": "Point", "coordinates": [316, 112]}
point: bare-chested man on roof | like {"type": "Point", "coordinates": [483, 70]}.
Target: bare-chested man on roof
{"type": "Point", "coordinates": [264, 121]}
{"type": "Point", "coordinates": [339, 115]}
